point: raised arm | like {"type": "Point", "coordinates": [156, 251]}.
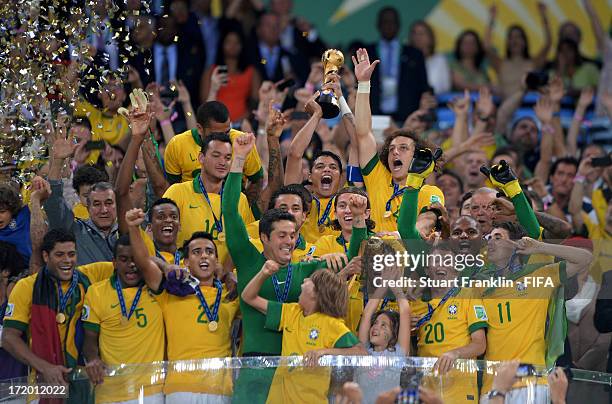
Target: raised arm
{"type": "Point", "coordinates": [578, 192]}
{"type": "Point", "coordinates": [185, 100]}
{"type": "Point", "coordinates": [139, 118]}
{"type": "Point", "coordinates": [540, 59]}
{"type": "Point", "coordinates": [488, 40]}
{"type": "Point", "coordinates": [358, 205]}
{"type": "Point", "coordinates": [38, 227]}
{"type": "Point", "coordinates": [250, 294]}
{"type": "Point", "coordinates": [585, 99]}
{"type": "Point", "coordinates": [507, 109]}
{"type": "Point", "coordinates": [155, 173]}
{"type": "Point", "coordinates": [366, 320]}
{"type": "Point", "coordinates": [600, 33]}
{"type": "Point", "coordinates": [161, 111]}
{"type": "Point", "coordinates": [240, 248]}
{"type": "Point", "coordinates": [577, 259]}
{"type": "Point", "coordinates": [274, 128]}
{"type": "Point", "coordinates": [544, 112]}
{"type": "Point", "coordinates": [58, 212]}
{"type": "Point", "coordinates": [422, 165]}
{"type": "Point", "coordinates": [504, 179]}
{"type": "Point", "coordinates": [151, 273]}
{"type": "Point", "coordinates": [366, 143]}
{"type": "Point", "coordinates": [299, 144]}
{"type": "Point", "coordinates": [460, 107]}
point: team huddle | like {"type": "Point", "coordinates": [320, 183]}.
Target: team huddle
{"type": "Point", "coordinates": [121, 285]}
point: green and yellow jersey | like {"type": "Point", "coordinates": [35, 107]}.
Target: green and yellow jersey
{"type": "Point", "coordinates": [300, 335]}
{"type": "Point", "coordinates": [121, 343]}
{"type": "Point", "coordinates": [197, 215]}
{"type": "Point", "coordinates": [311, 229]}
{"type": "Point", "coordinates": [181, 157]}
{"type": "Point", "coordinates": [379, 184]}
{"type": "Point", "coordinates": [189, 337]}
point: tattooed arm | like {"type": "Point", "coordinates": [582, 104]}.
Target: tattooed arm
{"type": "Point", "coordinates": [554, 228]}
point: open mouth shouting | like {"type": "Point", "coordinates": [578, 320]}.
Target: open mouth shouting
{"type": "Point", "coordinates": [397, 165]}
{"type": "Point", "coordinates": [326, 182]}
{"type": "Point", "coordinates": [167, 230]}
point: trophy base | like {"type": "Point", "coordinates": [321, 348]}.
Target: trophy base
{"type": "Point", "coordinates": [329, 104]}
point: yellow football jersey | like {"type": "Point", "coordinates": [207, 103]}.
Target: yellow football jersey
{"type": "Point", "coordinates": [153, 253]}
{"type": "Point", "coordinates": [122, 343]}
{"type": "Point", "coordinates": [19, 306]}
{"type": "Point", "coordinates": [300, 335]}
{"type": "Point", "coordinates": [196, 214]}
{"type": "Point", "coordinates": [181, 156]}
{"type": "Point", "coordinates": [450, 327]}
{"type": "Point", "coordinates": [190, 338]}
{"type": "Point", "coordinates": [517, 316]}
{"type": "Point", "coordinates": [379, 184]}
{"type": "Point", "coordinates": [110, 128]}
{"type": "Point", "coordinates": [311, 229]}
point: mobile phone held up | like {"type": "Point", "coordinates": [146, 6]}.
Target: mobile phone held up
{"type": "Point", "coordinates": [604, 161]}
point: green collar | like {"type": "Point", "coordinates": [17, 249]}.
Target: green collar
{"type": "Point", "coordinates": [196, 137]}
{"type": "Point", "coordinates": [196, 184]}
{"type": "Point", "coordinates": [301, 243]}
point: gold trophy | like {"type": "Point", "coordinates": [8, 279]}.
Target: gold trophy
{"type": "Point", "coordinates": [332, 61]}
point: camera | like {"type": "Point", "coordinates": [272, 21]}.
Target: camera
{"type": "Point", "coordinates": [536, 80]}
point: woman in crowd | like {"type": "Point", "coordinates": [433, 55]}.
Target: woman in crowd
{"type": "Point", "coordinates": [467, 68]}
{"type": "Point", "coordinates": [231, 80]}
{"type": "Point", "coordinates": [438, 73]}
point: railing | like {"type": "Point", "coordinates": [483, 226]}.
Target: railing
{"type": "Point", "coordinates": [254, 378]}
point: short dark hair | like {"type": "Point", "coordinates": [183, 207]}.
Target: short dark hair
{"type": "Point", "coordinates": [266, 223]}
{"type": "Point", "coordinates": [11, 260]}
{"type": "Point", "coordinates": [328, 154]}
{"type": "Point", "coordinates": [453, 174]}
{"type": "Point", "coordinates": [212, 111]}
{"type": "Point", "coordinates": [80, 121]}
{"type": "Point", "coordinates": [162, 201]}
{"type": "Point", "coordinates": [387, 9]}
{"type": "Point", "coordinates": [9, 198]}
{"type": "Point", "coordinates": [480, 52]}
{"type": "Point", "coordinates": [195, 236]}
{"type": "Point", "coordinates": [123, 240]}
{"type": "Point", "coordinates": [220, 137]}
{"type": "Point", "coordinates": [55, 236]}
{"type": "Point", "coordinates": [292, 189]}
{"type": "Point", "coordinates": [563, 160]}
{"type": "Point", "coordinates": [465, 197]}
{"type": "Point", "coordinates": [100, 186]}
{"type": "Point", "coordinates": [515, 230]}
{"type": "Point", "coordinates": [335, 224]}
{"type": "Point", "coordinates": [87, 175]}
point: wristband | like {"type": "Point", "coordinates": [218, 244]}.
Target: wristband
{"type": "Point", "coordinates": [344, 108]}
{"type": "Point", "coordinates": [512, 189]}
{"type": "Point", "coordinates": [495, 393]}
{"type": "Point", "coordinates": [363, 87]}
{"type": "Point", "coordinates": [165, 122]}
{"type": "Point", "coordinates": [414, 181]}
{"type": "Point", "coordinates": [580, 179]}
{"type": "Point", "coordinates": [353, 174]}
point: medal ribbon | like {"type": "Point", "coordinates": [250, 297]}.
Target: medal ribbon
{"type": "Point", "coordinates": [177, 256]}
{"type": "Point", "coordinates": [430, 310]}
{"type": "Point", "coordinates": [397, 191]}
{"type": "Point", "coordinates": [214, 316]}
{"type": "Point", "coordinates": [124, 312]}
{"type": "Point", "coordinates": [282, 298]}
{"type": "Point", "coordinates": [63, 298]}
{"type": "Point", "coordinates": [218, 222]}
{"type": "Point", "coordinates": [321, 219]}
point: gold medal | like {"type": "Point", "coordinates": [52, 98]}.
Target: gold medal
{"type": "Point", "coordinates": [60, 318]}
{"type": "Point", "coordinates": [388, 213]}
{"type": "Point", "coordinates": [124, 320]}
{"type": "Point", "coordinates": [212, 326]}
{"type": "Point", "coordinates": [221, 236]}
{"type": "Point", "coordinates": [321, 228]}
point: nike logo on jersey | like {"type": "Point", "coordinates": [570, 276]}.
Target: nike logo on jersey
{"type": "Point", "coordinates": [114, 305]}
{"type": "Point", "coordinates": [193, 207]}
{"type": "Point", "coordinates": [192, 159]}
